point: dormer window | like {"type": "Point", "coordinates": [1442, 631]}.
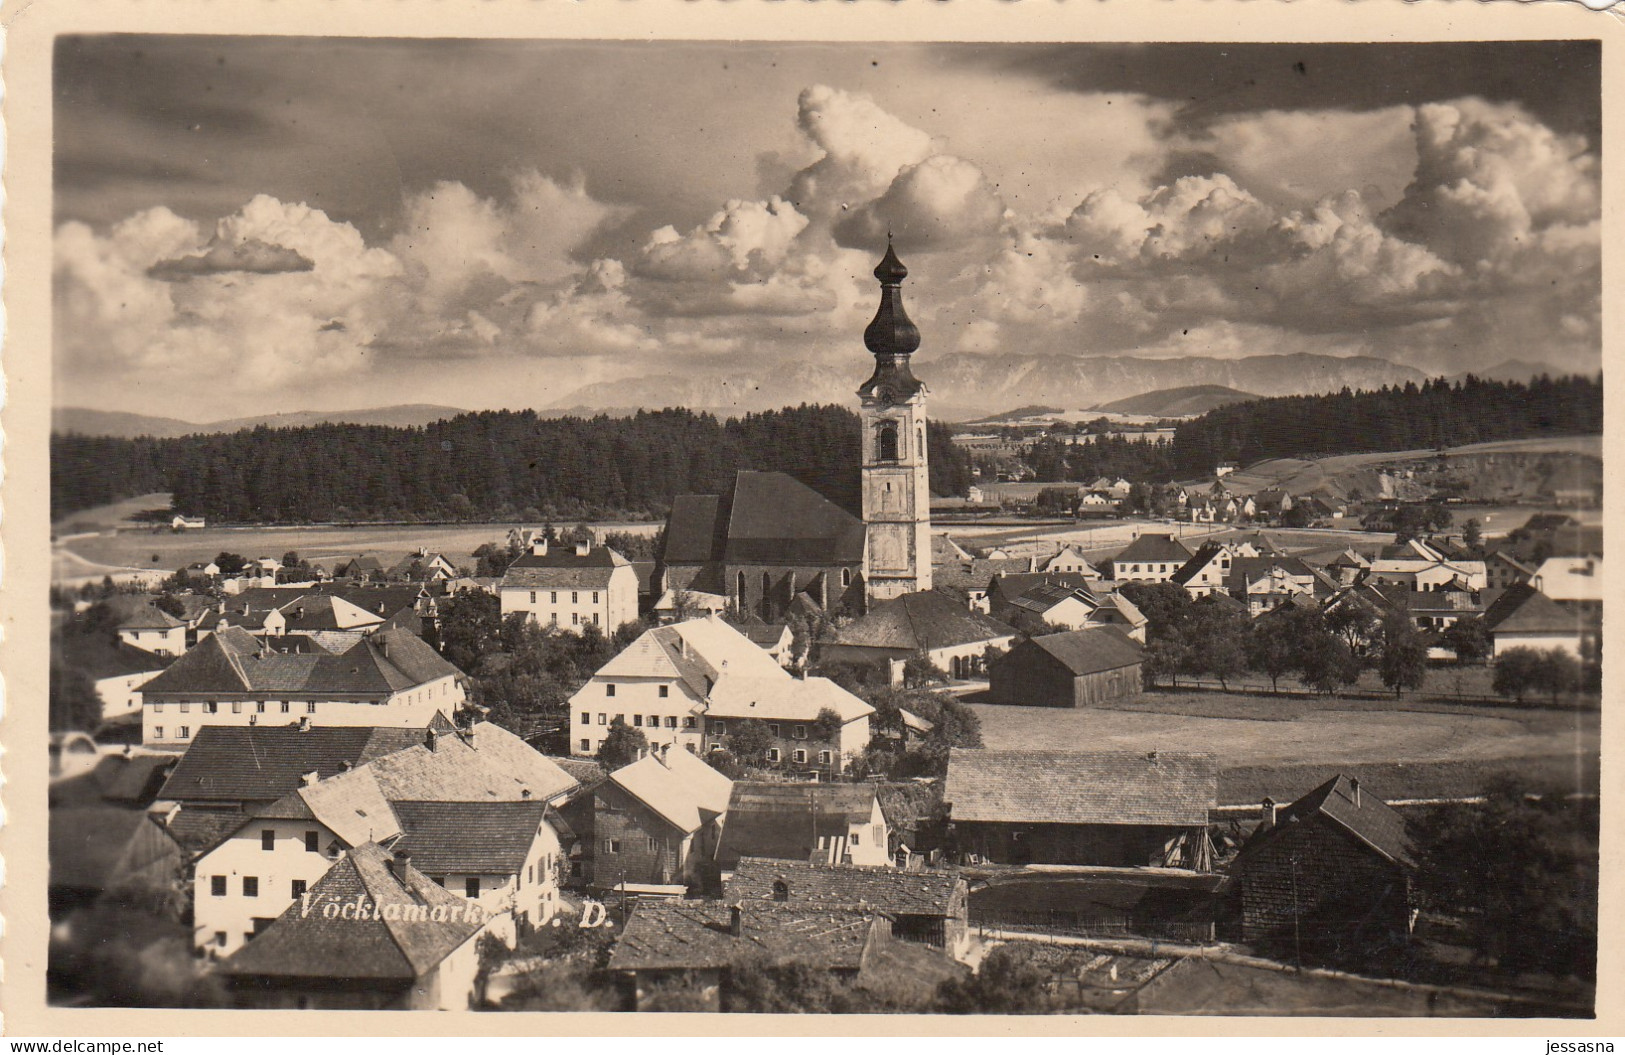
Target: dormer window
{"type": "Point", "coordinates": [781, 890]}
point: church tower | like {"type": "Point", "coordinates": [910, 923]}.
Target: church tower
{"type": "Point", "coordinates": [896, 478]}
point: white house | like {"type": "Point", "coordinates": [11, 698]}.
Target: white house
{"type": "Point", "coordinates": [1068, 559]}
{"type": "Point", "coordinates": [686, 685]}
{"type": "Point", "coordinates": [1571, 579]}
{"type": "Point", "coordinates": [186, 523]}
{"type": "Point", "coordinates": [154, 630]}
{"type": "Point", "coordinates": [391, 678]}
{"type": "Point", "coordinates": [571, 586]}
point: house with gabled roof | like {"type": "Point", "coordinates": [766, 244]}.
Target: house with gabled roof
{"type": "Point", "coordinates": [689, 685]}
{"type": "Point", "coordinates": [1069, 559]}
{"type": "Point", "coordinates": [571, 586]}
{"type": "Point", "coordinates": [1149, 558]}
{"type": "Point", "coordinates": [373, 933]}
{"type": "Point", "coordinates": [835, 824]}
{"type": "Point", "coordinates": [1112, 808]}
{"type": "Point", "coordinates": [151, 629]}
{"type": "Point", "coordinates": [1079, 668]}
{"type": "Point", "coordinates": [926, 623]}
{"type": "Point", "coordinates": [1335, 867]}
{"type": "Point", "coordinates": [1523, 617]}
{"type": "Point", "coordinates": [652, 824]}
{"type": "Point", "coordinates": [930, 907]}
{"type": "Point", "coordinates": [421, 566]}
{"type": "Point", "coordinates": [1207, 571]}
{"type": "Point", "coordinates": [1502, 568]}
{"type": "Point", "coordinates": [233, 678]}
{"type": "Point", "coordinates": [1266, 583]}
{"type": "Point", "coordinates": [765, 541]}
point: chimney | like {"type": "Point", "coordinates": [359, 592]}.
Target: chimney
{"type": "Point", "coordinates": [383, 645]}
{"type": "Point", "coordinates": [304, 723]}
{"type": "Point", "coordinates": [1267, 813]}
{"type": "Point", "coordinates": [307, 779]}
{"type": "Point", "coordinates": [1151, 756]}
{"type": "Point", "coordinates": [399, 861]}
{"type": "Point", "coordinates": [429, 739]}
{"type": "Point", "coordinates": [524, 793]}
{"type": "Point", "coordinates": [736, 919]}
{"type": "Point", "coordinates": [1354, 786]}
{"type": "Point", "coordinates": [538, 545]}
{"type": "Point", "coordinates": [583, 547]}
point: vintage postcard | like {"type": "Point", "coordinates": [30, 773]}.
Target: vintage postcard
{"type": "Point", "coordinates": [925, 513]}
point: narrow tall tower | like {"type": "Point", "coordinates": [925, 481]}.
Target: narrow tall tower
{"type": "Point", "coordinates": [896, 478]}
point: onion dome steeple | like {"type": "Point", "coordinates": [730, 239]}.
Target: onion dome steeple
{"type": "Point", "coordinates": [891, 336]}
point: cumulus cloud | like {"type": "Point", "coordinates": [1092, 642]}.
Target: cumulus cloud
{"type": "Point", "coordinates": [252, 255]}
{"type": "Point", "coordinates": [943, 202]}
{"type": "Point", "coordinates": [745, 240]}
{"type": "Point", "coordinates": [864, 148]}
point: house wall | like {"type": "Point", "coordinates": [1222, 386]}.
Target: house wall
{"type": "Point", "coordinates": [853, 737]}
{"type": "Point", "coordinates": [121, 694]}
{"type": "Point", "coordinates": [573, 608]}
{"type": "Point", "coordinates": [679, 724]}
{"type": "Point", "coordinates": [242, 856]}
{"type": "Point", "coordinates": [164, 717]}
{"type": "Point", "coordinates": [1030, 677]}
{"type": "Point", "coordinates": [1335, 887]}
{"type": "Point", "coordinates": [528, 898]}
{"type": "Point", "coordinates": [160, 642]}
{"type": "Point", "coordinates": [784, 582]}
{"type": "Point", "coordinates": [1120, 845]}
{"type": "Point", "coordinates": [631, 844]}
{"type": "Point", "coordinates": [1567, 642]}
{"type": "Point", "coordinates": [451, 985]}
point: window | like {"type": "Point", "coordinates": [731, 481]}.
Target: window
{"type": "Point", "coordinates": [313, 842]}
{"type": "Point", "coordinates": [664, 691]}
{"type": "Point", "coordinates": [691, 749]}
{"type": "Point", "coordinates": [251, 886]}
{"type": "Point", "coordinates": [781, 890]}
{"type": "Point", "coordinates": [259, 706]}
{"type": "Point", "coordinates": [157, 732]}
{"type": "Point", "coordinates": [800, 756]}
{"type": "Point", "coordinates": [739, 594]}
{"type": "Point", "coordinates": [440, 881]}
{"type": "Point", "coordinates": [823, 758]}
{"type": "Point", "coordinates": [575, 597]}
{"type": "Point", "coordinates": [612, 846]}
{"type": "Point", "coordinates": [716, 746]}
{"type": "Point", "coordinates": [533, 597]}
{"type": "Point", "coordinates": [772, 754]}
{"type": "Point", "coordinates": [798, 732]}
{"type": "Point", "coordinates": [209, 708]}
{"type": "Point", "coordinates": [637, 721]}
{"type": "Point", "coordinates": [284, 706]}
{"type": "Point", "coordinates": [773, 729]}
{"type": "Point", "coordinates": [586, 745]}
{"type": "Point", "coordinates": [298, 888]}
{"type": "Point", "coordinates": [609, 690]}
{"type": "Point", "coordinates": [261, 923]}
{"type": "Point", "coordinates": [268, 839]}
{"type": "Point", "coordinates": [690, 722]}
{"type": "Point", "coordinates": [471, 886]}
{"type": "Point", "coordinates": [857, 836]}
{"type": "Point", "coordinates": [595, 619]}
{"type": "Point", "coordinates": [586, 719]}
{"type": "Point", "coordinates": [846, 576]}
{"type": "Point", "coordinates": [575, 618]}
{"type": "Point", "coordinates": [157, 708]}
{"type": "Point", "coordinates": [886, 443]}
{"type": "Point", "coordinates": [880, 834]}
{"type": "Point", "coordinates": [603, 719]}
{"type": "Point", "coordinates": [554, 597]}
{"type": "Point", "coordinates": [185, 732]}
{"type": "Point", "coordinates": [595, 597]}
{"type": "Point", "coordinates": [310, 708]}
{"type": "Point", "coordinates": [185, 707]}
{"type": "Point", "coordinates": [217, 886]}
{"type": "Point", "coordinates": [653, 846]}
{"type": "Point", "coordinates": [719, 727]}
{"type": "Point", "coordinates": [236, 706]}
{"type": "Point", "coordinates": [220, 939]}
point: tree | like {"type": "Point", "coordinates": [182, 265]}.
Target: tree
{"type": "Point", "coordinates": [1215, 635]}
{"type": "Point", "coordinates": [1520, 873]}
{"type": "Point", "coordinates": [1517, 670]}
{"type": "Point", "coordinates": [1409, 522]}
{"type": "Point", "coordinates": [919, 672]}
{"type": "Point", "coordinates": [1403, 663]}
{"type": "Point", "coordinates": [1326, 662]}
{"type": "Point", "coordinates": [1472, 533]}
{"type": "Point", "coordinates": [1559, 673]}
{"type": "Point", "coordinates": [622, 746]}
{"type": "Point", "coordinates": [171, 605]}
{"type": "Point", "coordinates": [230, 564]}
{"type": "Point", "coordinates": [1353, 621]}
{"type": "Point", "coordinates": [73, 704]}
{"type": "Point", "coordinates": [291, 559]}
{"type": "Point", "coordinates": [1468, 639]}
{"type": "Point", "coordinates": [470, 626]}
{"type": "Point", "coordinates": [1271, 648]}
{"type": "Point", "coordinates": [1007, 983]}
{"type": "Point", "coordinates": [749, 740]}
{"type": "Point", "coordinates": [827, 725]}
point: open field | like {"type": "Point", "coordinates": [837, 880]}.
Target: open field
{"type": "Point", "coordinates": [1422, 749]}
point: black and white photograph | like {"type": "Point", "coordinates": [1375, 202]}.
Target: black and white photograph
{"type": "Point", "coordinates": [884, 527]}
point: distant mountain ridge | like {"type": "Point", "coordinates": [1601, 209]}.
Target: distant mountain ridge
{"type": "Point", "coordinates": [1178, 402]}
{"type": "Point", "coordinates": [967, 386]}
{"type": "Point", "coordinates": [86, 422]}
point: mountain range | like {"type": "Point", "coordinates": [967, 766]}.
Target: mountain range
{"type": "Point", "coordinates": [963, 387]}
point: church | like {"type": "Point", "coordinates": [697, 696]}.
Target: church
{"type": "Point", "coordinates": [771, 544]}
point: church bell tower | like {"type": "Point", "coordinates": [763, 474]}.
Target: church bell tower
{"type": "Point", "coordinates": [896, 478]}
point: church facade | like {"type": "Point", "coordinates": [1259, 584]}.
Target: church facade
{"type": "Point", "coordinates": [772, 544]}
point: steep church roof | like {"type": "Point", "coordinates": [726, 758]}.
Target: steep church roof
{"type": "Point", "coordinates": [766, 518]}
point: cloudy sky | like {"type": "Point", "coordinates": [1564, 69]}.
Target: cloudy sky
{"type": "Point", "coordinates": [253, 225]}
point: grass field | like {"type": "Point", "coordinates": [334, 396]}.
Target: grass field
{"type": "Point", "coordinates": [1277, 745]}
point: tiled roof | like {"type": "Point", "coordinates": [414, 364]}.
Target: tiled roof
{"type": "Point", "coordinates": [312, 946]}
{"type": "Point", "coordinates": [1127, 609]}
{"type": "Point", "coordinates": [1087, 651]}
{"type": "Point", "coordinates": [780, 820]}
{"type": "Point", "coordinates": [1535, 614]}
{"type": "Point", "coordinates": [85, 843]}
{"type": "Point", "coordinates": [470, 838]}
{"type": "Point", "coordinates": [149, 617]}
{"type": "Point", "coordinates": [104, 656]}
{"type": "Point", "coordinates": [692, 529]}
{"type": "Point", "coordinates": [1154, 548]}
{"type": "Point", "coordinates": [680, 788]}
{"type": "Point", "coordinates": [1373, 821]}
{"type": "Point", "coordinates": [1096, 787]}
{"type": "Point", "coordinates": [765, 518]}
{"type": "Point", "coordinates": [500, 767]}
{"type": "Point", "coordinates": [1205, 555]}
{"type": "Point", "coordinates": [1005, 589]}
{"type": "Point", "coordinates": [258, 763]}
{"type": "Point", "coordinates": [583, 771]}
{"type": "Point", "coordinates": [1507, 602]}
{"type": "Point", "coordinates": [234, 661]}
{"type": "Point", "coordinates": [352, 806]}
{"type": "Point", "coordinates": [978, 573]}
{"type": "Point", "coordinates": [1045, 596]}
{"type": "Point", "coordinates": [695, 934]}
{"type": "Point", "coordinates": [887, 889]}
{"type": "Point", "coordinates": [918, 621]}
{"type": "Point", "coordinates": [197, 831]}
{"type": "Point", "coordinates": [784, 698]}
{"type": "Point", "coordinates": [561, 568]}
{"type": "Point", "coordinates": [1245, 570]}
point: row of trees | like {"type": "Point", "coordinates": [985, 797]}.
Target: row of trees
{"type": "Point", "coordinates": [494, 464]}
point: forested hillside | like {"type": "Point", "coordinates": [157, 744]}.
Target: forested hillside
{"type": "Point", "coordinates": [494, 464]}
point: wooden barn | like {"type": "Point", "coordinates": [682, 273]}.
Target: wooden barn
{"type": "Point", "coordinates": [1080, 668]}
{"type": "Point", "coordinates": [1113, 808]}
{"type": "Point", "coordinates": [1333, 868]}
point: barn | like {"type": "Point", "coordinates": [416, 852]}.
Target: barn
{"type": "Point", "coordinates": [1079, 668]}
